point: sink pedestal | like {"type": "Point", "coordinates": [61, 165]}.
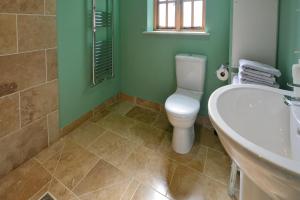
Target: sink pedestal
{"type": "Point", "coordinates": [250, 191]}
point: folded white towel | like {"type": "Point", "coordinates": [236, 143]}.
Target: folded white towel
{"type": "Point", "coordinates": [248, 64]}
{"type": "Point", "coordinates": [259, 73]}
{"type": "Point", "coordinates": [247, 81]}
{"type": "Point", "coordinates": [255, 77]}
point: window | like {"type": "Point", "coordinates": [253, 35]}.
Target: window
{"type": "Point", "coordinates": [179, 15]}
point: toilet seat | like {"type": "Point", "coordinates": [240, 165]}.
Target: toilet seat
{"type": "Point", "coordinates": [182, 106]}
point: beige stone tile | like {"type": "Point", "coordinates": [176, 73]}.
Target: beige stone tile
{"type": "Point", "coordinates": [22, 145]}
{"type": "Point", "coordinates": [31, 6]}
{"type": "Point", "coordinates": [113, 148]}
{"type": "Point", "coordinates": [76, 123]}
{"type": "Point", "coordinates": [217, 166]}
{"type": "Point", "coordinates": [50, 156]}
{"type": "Point", "coordinates": [101, 176]}
{"type": "Point", "coordinates": [50, 7]}
{"type": "Point", "coordinates": [208, 138]}
{"type": "Point", "coordinates": [40, 193]}
{"type": "Point", "coordinates": [117, 123]}
{"type": "Point", "coordinates": [163, 123]}
{"type": "Point", "coordinates": [98, 115]}
{"type": "Point", "coordinates": [131, 189]}
{"type": "Point", "coordinates": [86, 134]}
{"type": "Point", "coordinates": [21, 71]}
{"type": "Point", "coordinates": [149, 168]}
{"type": "Point", "coordinates": [9, 6]}
{"type": "Point", "coordinates": [9, 114]}
{"type": "Point", "coordinates": [148, 104]}
{"type": "Point", "coordinates": [147, 193]}
{"type": "Point", "coordinates": [47, 153]}
{"type": "Point", "coordinates": [8, 35]}
{"type": "Point", "coordinates": [111, 192]}
{"type": "Point", "coordinates": [147, 135]}
{"type": "Point", "coordinates": [60, 192]}
{"type": "Point", "coordinates": [24, 182]}
{"type": "Point", "coordinates": [189, 184]}
{"type": "Point", "coordinates": [53, 127]}
{"type": "Point", "coordinates": [194, 159]}
{"type": "Point", "coordinates": [33, 30]}
{"type": "Point", "coordinates": [38, 102]}
{"type": "Point", "coordinates": [75, 162]}
{"type": "Point", "coordinates": [51, 64]}
{"type": "Point", "coordinates": [121, 108]}
{"type": "Point", "coordinates": [142, 114]}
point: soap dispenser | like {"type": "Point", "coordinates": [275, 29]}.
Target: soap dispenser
{"type": "Point", "coordinates": [296, 78]}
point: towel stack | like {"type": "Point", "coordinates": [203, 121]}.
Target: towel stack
{"type": "Point", "coordinates": [251, 72]}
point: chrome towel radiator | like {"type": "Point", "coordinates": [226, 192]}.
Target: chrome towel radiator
{"type": "Point", "coordinates": [102, 50]}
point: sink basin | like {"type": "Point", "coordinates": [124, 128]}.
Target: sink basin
{"type": "Point", "coordinates": [261, 135]}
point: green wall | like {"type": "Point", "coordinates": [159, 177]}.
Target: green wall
{"type": "Point", "coordinates": [74, 60]}
{"type": "Point", "coordinates": [289, 38]}
{"type": "Point", "coordinates": [147, 61]}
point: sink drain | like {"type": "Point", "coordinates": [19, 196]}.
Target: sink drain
{"type": "Point", "coordinates": [47, 196]}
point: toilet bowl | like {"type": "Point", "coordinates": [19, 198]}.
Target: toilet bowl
{"type": "Point", "coordinates": [183, 106]}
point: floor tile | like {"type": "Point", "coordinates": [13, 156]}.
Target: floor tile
{"type": "Point", "coordinates": [61, 192]}
{"type": "Point", "coordinates": [112, 192]}
{"type": "Point", "coordinates": [75, 162]}
{"type": "Point", "coordinates": [131, 189]}
{"type": "Point", "coordinates": [147, 193]}
{"type": "Point", "coordinates": [117, 123]}
{"type": "Point", "coordinates": [41, 192]}
{"type": "Point", "coordinates": [113, 148]}
{"type": "Point", "coordinates": [101, 176]}
{"type": "Point", "coordinates": [142, 114]}
{"type": "Point", "coordinates": [208, 138]}
{"type": "Point", "coordinates": [163, 123]}
{"type": "Point", "coordinates": [24, 182]}
{"type": "Point", "coordinates": [188, 184]}
{"type": "Point", "coordinates": [194, 159]}
{"type": "Point", "coordinates": [49, 152]}
{"type": "Point", "coordinates": [147, 135]}
{"type": "Point", "coordinates": [217, 166]}
{"type": "Point", "coordinates": [86, 134]}
{"type": "Point", "coordinates": [99, 115]}
{"type": "Point", "coordinates": [149, 168]}
{"type": "Point", "coordinates": [50, 156]}
{"type": "Point", "coordinates": [121, 108]}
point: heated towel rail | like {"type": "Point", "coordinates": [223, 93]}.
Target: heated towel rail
{"type": "Point", "coordinates": [102, 50]}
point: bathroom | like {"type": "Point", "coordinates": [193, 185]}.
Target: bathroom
{"type": "Point", "coordinates": [170, 119]}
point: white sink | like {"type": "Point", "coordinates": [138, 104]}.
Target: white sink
{"type": "Point", "coordinates": [254, 126]}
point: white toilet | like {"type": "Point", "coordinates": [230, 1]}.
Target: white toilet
{"type": "Point", "coordinates": [183, 106]}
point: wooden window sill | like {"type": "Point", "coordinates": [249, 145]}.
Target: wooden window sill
{"type": "Point", "coordinates": [196, 33]}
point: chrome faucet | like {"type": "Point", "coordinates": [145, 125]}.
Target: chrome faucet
{"type": "Point", "coordinates": [292, 100]}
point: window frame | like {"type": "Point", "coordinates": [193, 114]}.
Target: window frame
{"type": "Point", "coordinates": [178, 17]}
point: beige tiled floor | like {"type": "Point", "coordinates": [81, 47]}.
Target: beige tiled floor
{"type": "Point", "coordinates": [123, 153]}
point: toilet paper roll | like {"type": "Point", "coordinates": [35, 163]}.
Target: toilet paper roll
{"type": "Point", "coordinates": [223, 73]}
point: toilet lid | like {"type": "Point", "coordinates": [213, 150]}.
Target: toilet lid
{"type": "Point", "coordinates": [182, 105]}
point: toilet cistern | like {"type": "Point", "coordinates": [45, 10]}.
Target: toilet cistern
{"type": "Point", "coordinates": [183, 106]}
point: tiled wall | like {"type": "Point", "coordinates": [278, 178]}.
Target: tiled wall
{"type": "Point", "coordinates": [28, 80]}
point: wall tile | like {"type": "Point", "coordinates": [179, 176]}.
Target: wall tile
{"type": "Point", "coordinates": [38, 102]}
{"type": "Point", "coordinates": [9, 114]}
{"type": "Point", "coordinates": [36, 32]}
{"type": "Point", "coordinates": [31, 6]}
{"type": "Point", "coordinates": [8, 34]}
{"type": "Point", "coordinates": [53, 127]}
{"type": "Point", "coordinates": [9, 6]}
{"type": "Point", "coordinates": [50, 7]}
{"type": "Point", "coordinates": [22, 145]}
{"type": "Point", "coordinates": [51, 64]}
{"type": "Point", "coordinates": [21, 71]}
